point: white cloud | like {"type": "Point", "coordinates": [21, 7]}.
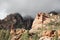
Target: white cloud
{"type": "Point", "coordinates": [3, 10]}
{"type": "Point", "coordinates": [30, 7]}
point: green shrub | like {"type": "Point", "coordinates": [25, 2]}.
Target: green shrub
{"type": "Point", "coordinates": [35, 37]}
{"type": "Point", "coordinates": [25, 36]}
{"type": "Point", "coordinates": [4, 34]}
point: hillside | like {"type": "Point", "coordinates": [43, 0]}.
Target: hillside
{"type": "Point", "coordinates": [45, 26]}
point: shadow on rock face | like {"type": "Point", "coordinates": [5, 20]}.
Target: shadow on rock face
{"type": "Point", "coordinates": [28, 22]}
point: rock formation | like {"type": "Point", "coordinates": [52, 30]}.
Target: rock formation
{"type": "Point", "coordinates": [17, 20]}
{"type": "Point", "coordinates": [14, 19]}
{"type": "Point", "coordinates": [43, 25]}
{"type": "Point", "coordinates": [40, 20]}
{"type": "Point", "coordinates": [45, 38]}
{"type": "Point", "coordinates": [15, 35]}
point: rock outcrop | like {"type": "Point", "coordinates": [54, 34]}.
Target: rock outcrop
{"type": "Point", "coordinates": [17, 21]}
{"type": "Point", "coordinates": [45, 23]}
{"type": "Point", "coordinates": [40, 20]}
{"type": "Point", "coordinates": [46, 38]}
{"type": "Point", "coordinates": [16, 34]}
{"type": "Point", "coordinates": [14, 19]}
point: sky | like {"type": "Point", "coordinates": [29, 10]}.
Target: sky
{"type": "Point", "coordinates": [27, 7]}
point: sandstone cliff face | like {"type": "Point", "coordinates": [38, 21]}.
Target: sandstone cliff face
{"type": "Point", "coordinates": [44, 21]}
{"type": "Point", "coordinates": [16, 34]}
{"type": "Point", "coordinates": [42, 24]}
{"type": "Point", "coordinates": [40, 20]}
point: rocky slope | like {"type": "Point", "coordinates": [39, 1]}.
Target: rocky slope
{"type": "Point", "coordinates": [17, 21]}
{"type": "Point", "coordinates": [46, 26]}
{"type": "Point", "coordinates": [43, 19]}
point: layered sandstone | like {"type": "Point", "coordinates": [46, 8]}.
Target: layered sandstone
{"type": "Point", "coordinates": [40, 20]}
